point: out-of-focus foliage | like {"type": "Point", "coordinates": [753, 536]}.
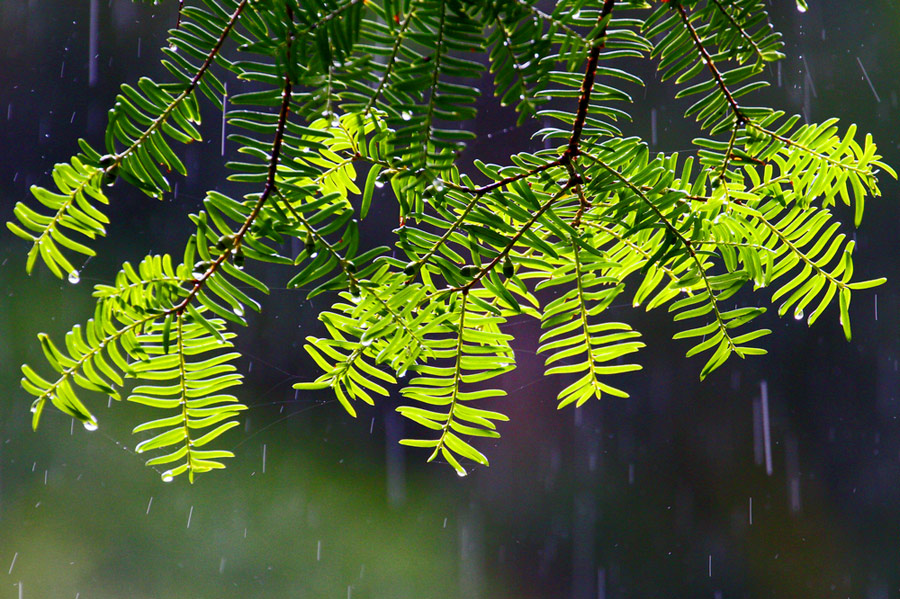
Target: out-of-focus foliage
{"type": "Point", "coordinates": [350, 96]}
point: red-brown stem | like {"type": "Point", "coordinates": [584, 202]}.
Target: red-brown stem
{"type": "Point", "coordinates": [587, 84]}
{"type": "Point", "coordinates": [480, 191]}
{"type": "Point", "coordinates": [735, 107]}
{"type": "Point", "coordinates": [267, 191]}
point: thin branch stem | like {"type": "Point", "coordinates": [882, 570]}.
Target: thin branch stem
{"type": "Point", "coordinates": [389, 65]}
{"type": "Point", "coordinates": [737, 26]}
{"type": "Point", "coordinates": [515, 238]}
{"type": "Point", "coordinates": [480, 191]}
{"type": "Point", "coordinates": [707, 59]}
{"type": "Point", "coordinates": [264, 196]}
{"type": "Point", "coordinates": [587, 84]}
{"type": "Point", "coordinates": [194, 82]}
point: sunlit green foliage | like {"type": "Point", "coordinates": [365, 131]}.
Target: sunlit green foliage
{"type": "Point", "coordinates": [353, 95]}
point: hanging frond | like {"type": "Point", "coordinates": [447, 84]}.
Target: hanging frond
{"type": "Point", "coordinates": [473, 351]}
{"type": "Point", "coordinates": [575, 337]}
{"type": "Point", "coordinates": [183, 382]}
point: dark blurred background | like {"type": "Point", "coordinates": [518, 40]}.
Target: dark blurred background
{"type": "Point", "coordinates": [663, 494]}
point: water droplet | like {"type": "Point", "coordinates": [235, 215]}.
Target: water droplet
{"type": "Point", "coordinates": [438, 185]}
{"type": "Point", "coordinates": [239, 310]}
{"type": "Point", "coordinates": [379, 183]}
{"type": "Point", "coordinates": [461, 473]}
{"type": "Point", "coordinates": [405, 115]}
{"type": "Point", "coordinates": [335, 122]}
{"type": "Point", "coordinates": [801, 7]}
{"type": "Point", "coordinates": [90, 425]}
{"type": "Point", "coordinates": [74, 277]}
{"type": "Point", "coordinates": [366, 342]}
{"type": "Point", "coordinates": [798, 315]}
{"type": "Point", "coordinates": [167, 476]}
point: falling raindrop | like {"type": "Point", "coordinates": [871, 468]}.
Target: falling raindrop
{"type": "Point", "coordinates": [93, 42]}
{"type": "Point", "coordinates": [74, 277]}
{"type": "Point", "coordinates": [224, 119]}
{"type": "Point", "coordinates": [767, 435]}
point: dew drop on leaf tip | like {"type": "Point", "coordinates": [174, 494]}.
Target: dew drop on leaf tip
{"type": "Point", "coordinates": [167, 477]}
{"type": "Point", "coordinates": [405, 115]}
{"type": "Point", "coordinates": [90, 425]}
{"type": "Point", "coordinates": [798, 315]}
{"type": "Point", "coordinates": [74, 277]}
